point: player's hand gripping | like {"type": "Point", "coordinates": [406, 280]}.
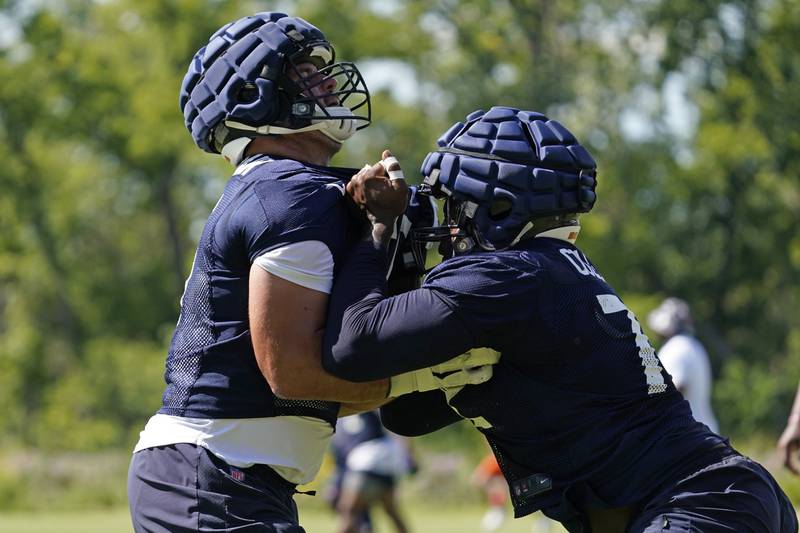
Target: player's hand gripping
{"type": "Point", "coordinates": [471, 368]}
{"type": "Point", "coordinates": [381, 191]}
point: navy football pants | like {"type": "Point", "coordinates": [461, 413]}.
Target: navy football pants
{"type": "Point", "coordinates": [734, 495]}
{"type": "Point", "coordinates": [183, 487]}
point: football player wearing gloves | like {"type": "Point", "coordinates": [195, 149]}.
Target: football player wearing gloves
{"type": "Point", "coordinates": [585, 423]}
{"type": "Point", "coordinates": [248, 410]}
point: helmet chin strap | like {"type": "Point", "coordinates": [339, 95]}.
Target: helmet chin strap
{"type": "Point", "coordinates": [338, 130]}
{"type": "Point", "coordinates": [338, 124]}
{"type": "Point", "coordinates": [525, 229]}
{"type": "Point", "coordinates": [233, 152]}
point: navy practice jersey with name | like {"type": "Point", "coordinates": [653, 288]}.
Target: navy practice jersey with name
{"type": "Point", "coordinates": [211, 367]}
{"type": "Point", "coordinates": [578, 411]}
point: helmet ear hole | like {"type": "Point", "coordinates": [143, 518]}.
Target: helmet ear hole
{"type": "Point", "coordinates": [500, 208]}
{"type": "Point", "coordinates": [247, 94]}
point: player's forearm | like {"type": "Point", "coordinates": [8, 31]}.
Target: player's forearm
{"type": "Point", "coordinates": [384, 337]}
{"type": "Point", "coordinates": [286, 322]}
{"type": "Point", "coordinates": [324, 386]}
{"type": "Point", "coordinates": [300, 376]}
{"type": "Point", "coordinates": [359, 287]}
{"type": "Point", "coordinates": [369, 336]}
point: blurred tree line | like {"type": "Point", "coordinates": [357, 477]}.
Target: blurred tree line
{"type": "Point", "coordinates": [690, 108]}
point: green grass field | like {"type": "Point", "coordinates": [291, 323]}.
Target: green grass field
{"type": "Point", "coordinates": [315, 520]}
{"type": "Point", "coordinates": [460, 504]}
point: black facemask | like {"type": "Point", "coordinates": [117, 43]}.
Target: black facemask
{"type": "Point", "coordinates": [453, 237]}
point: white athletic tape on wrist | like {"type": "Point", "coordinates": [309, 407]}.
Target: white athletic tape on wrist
{"type": "Point", "coordinates": [393, 174]}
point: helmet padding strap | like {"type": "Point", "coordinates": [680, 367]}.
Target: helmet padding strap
{"type": "Point", "coordinates": [233, 151]}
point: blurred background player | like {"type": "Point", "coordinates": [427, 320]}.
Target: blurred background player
{"type": "Point", "coordinates": [489, 478]}
{"type": "Point", "coordinates": [369, 463]}
{"type": "Point", "coordinates": [684, 358]}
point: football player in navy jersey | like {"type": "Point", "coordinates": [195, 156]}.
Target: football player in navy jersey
{"type": "Point", "coordinates": [248, 410]}
{"type": "Point", "coordinates": [369, 463]}
{"type": "Point", "coordinates": [585, 423]}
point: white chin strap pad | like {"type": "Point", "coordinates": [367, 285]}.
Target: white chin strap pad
{"type": "Point", "coordinates": [233, 152]}
{"type": "Point", "coordinates": [338, 130]}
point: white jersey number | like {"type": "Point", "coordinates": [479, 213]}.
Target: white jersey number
{"type": "Point", "coordinates": [610, 303]}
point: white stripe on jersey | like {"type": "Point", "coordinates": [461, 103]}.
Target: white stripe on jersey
{"type": "Point", "coordinates": [247, 167]}
{"type": "Point", "coordinates": [338, 186]}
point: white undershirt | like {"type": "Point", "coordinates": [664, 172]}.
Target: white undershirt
{"type": "Point", "coordinates": [685, 359]}
{"type": "Point", "coordinates": [293, 446]}
{"type": "Point", "coordinates": [307, 263]}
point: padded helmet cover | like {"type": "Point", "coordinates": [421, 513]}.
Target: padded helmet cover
{"type": "Point", "coordinates": [238, 75]}
{"type": "Point", "coordinates": [517, 166]}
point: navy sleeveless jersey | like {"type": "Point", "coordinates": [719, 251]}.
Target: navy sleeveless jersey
{"type": "Point", "coordinates": [578, 410]}
{"type": "Point", "coordinates": [211, 369]}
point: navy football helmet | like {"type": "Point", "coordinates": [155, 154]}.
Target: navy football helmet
{"type": "Point", "coordinates": [500, 172]}
{"type": "Point", "coordinates": [246, 82]}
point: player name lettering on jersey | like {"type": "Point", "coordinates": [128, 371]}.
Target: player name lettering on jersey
{"type": "Point", "coordinates": [579, 261]}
